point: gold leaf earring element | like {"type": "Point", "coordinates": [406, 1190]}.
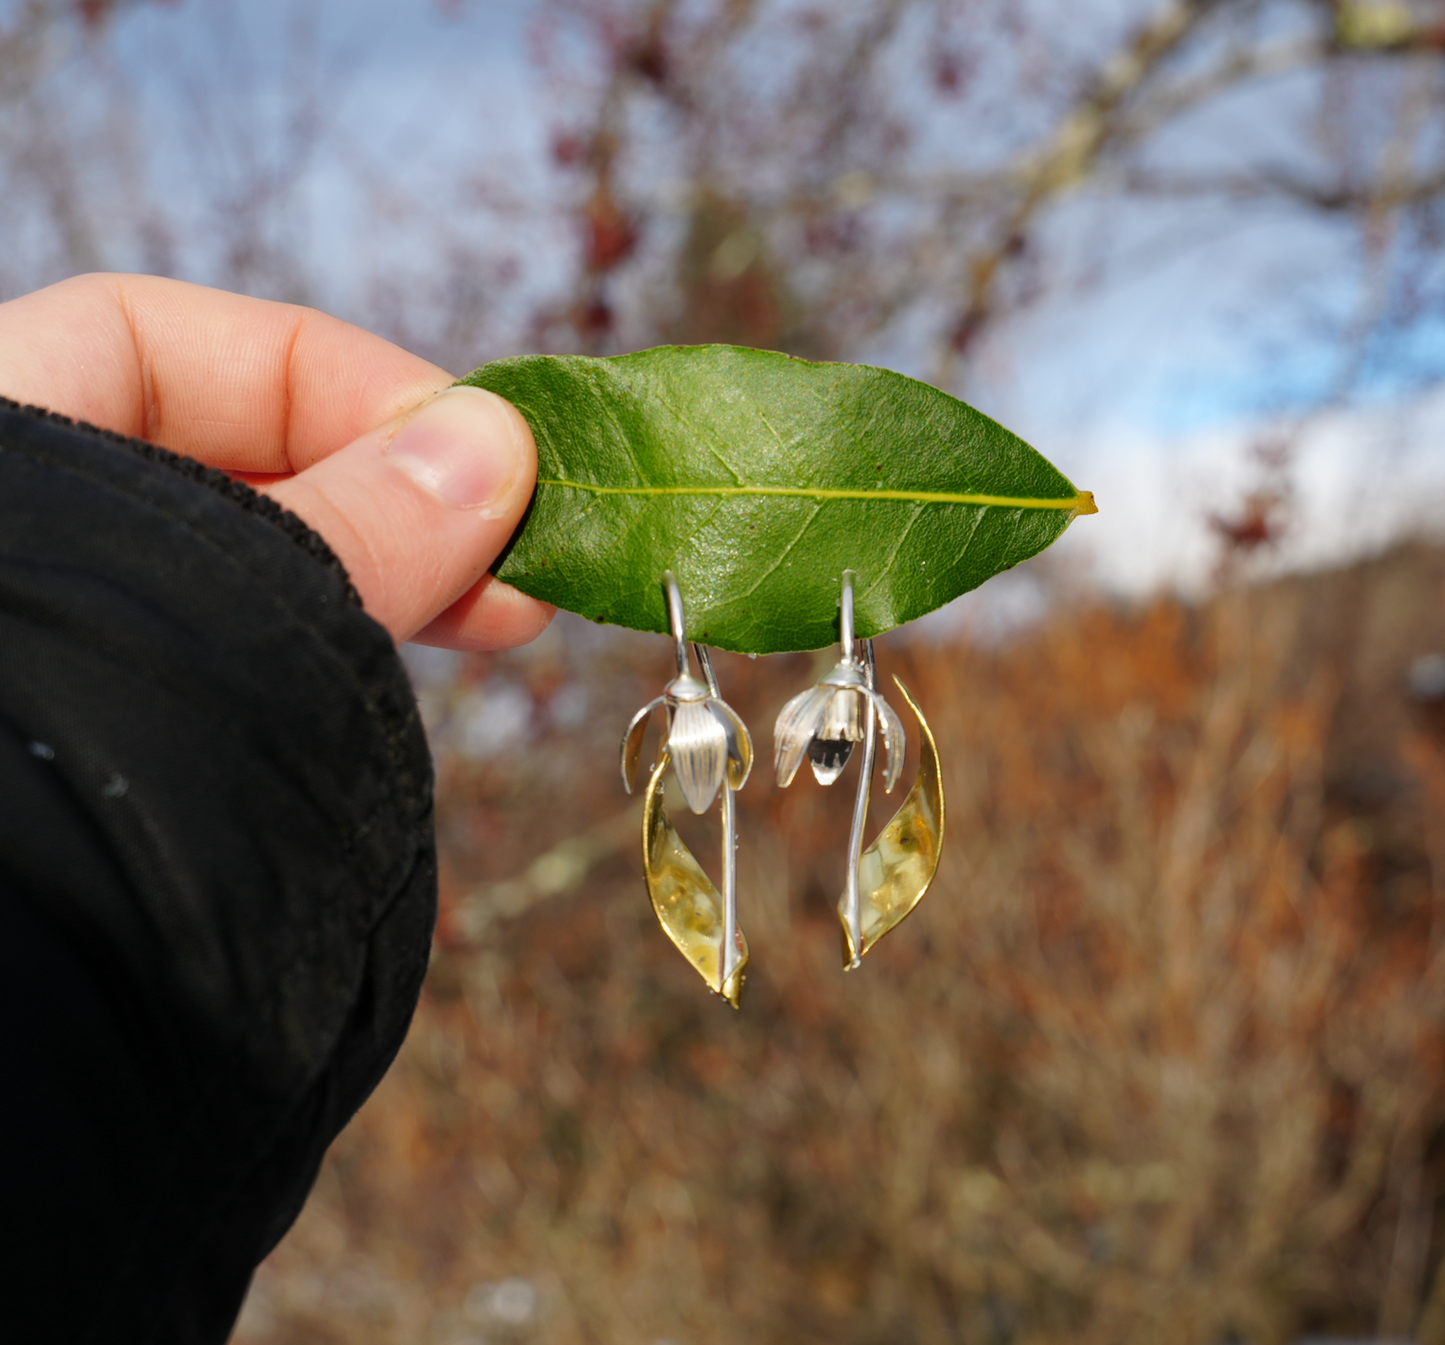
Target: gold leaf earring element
{"type": "Point", "coordinates": [708, 748]}
{"type": "Point", "coordinates": [887, 880]}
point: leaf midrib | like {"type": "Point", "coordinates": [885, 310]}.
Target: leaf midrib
{"type": "Point", "coordinates": [1082, 502]}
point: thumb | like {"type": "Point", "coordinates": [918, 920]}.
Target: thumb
{"type": "Point", "coordinates": [417, 510]}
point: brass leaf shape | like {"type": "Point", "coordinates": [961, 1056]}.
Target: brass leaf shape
{"type": "Point", "coordinates": [897, 869]}
{"type": "Point", "coordinates": [687, 904]}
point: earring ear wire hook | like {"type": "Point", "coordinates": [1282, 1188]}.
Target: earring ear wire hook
{"type": "Point", "coordinates": [676, 621]}
{"type": "Point", "coordinates": [845, 616]}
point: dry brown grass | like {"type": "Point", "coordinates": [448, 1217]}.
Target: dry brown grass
{"type": "Point", "coordinates": [1158, 1059]}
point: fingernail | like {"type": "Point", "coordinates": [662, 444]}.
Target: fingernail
{"type": "Point", "coordinates": [462, 446]}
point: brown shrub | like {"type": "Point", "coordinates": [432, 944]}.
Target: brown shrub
{"type": "Point", "coordinates": [1157, 1060]}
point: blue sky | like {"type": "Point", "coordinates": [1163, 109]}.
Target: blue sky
{"type": "Point", "coordinates": [1199, 324]}
{"type": "Point", "coordinates": [1188, 333]}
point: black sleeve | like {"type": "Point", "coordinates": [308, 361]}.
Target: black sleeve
{"type": "Point", "coordinates": [217, 880]}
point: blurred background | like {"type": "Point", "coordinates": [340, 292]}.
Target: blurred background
{"type": "Point", "coordinates": [1160, 1057]}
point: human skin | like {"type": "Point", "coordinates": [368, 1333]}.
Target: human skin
{"type": "Point", "coordinates": [416, 490]}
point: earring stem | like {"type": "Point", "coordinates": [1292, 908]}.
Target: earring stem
{"type": "Point", "coordinates": [845, 616]}
{"type": "Point", "coordinates": [730, 884]}
{"type": "Point", "coordinates": [729, 844]}
{"type": "Point", "coordinates": [860, 816]}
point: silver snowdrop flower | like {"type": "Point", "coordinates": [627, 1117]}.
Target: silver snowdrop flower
{"type": "Point", "coordinates": [705, 739]}
{"type": "Point", "coordinates": [825, 721]}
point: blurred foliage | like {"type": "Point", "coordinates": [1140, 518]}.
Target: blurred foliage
{"type": "Point", "coordinates": [1158, 1059]}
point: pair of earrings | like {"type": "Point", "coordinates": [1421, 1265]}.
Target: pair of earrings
{"type": "Point", "coordinates": [709, 751]}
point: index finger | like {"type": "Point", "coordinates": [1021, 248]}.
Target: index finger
{"type": "Point", "coordinates": [243, 384]}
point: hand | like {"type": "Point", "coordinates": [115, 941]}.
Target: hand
{"type": "Point", "coordinates": [415, 492]}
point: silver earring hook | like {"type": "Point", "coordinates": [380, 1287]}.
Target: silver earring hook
{"type": "Point", "coordinates": [845, 616]}
{"type": "Point", "coordinates": [676, 620]}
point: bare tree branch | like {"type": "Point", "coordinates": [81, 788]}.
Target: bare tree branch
{"type": "Point", "coordinates": [1067, 159]}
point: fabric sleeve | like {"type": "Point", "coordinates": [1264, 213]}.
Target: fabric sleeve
{"type": "Point", "coordinates": [217, 879]}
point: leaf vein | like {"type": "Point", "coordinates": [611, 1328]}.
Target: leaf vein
{"type": "Point", "coordinates": [684, 419]}
{"type": "Point", "coordinates": [820, 494]}
{"type": "Point", "coordinates": [887, 565]}
{"type": "Point", "coordinates": [625, 439]}
{"type": "Point", "coordinates": [783, 554]}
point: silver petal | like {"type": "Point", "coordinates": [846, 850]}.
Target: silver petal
{"type": "Point", "coordinates": [894, 739]}
{"type": "Point", "coordinates": [632, 742]}
{"type": "Point", "coordinates": [698, 746]}
{"type": "Point", "coordinates": [798, 723]}
{"type": "Point", "coordinates": [740, 743]}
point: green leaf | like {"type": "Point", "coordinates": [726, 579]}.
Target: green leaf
{"type": "Point", "coordinates": [758, 479]}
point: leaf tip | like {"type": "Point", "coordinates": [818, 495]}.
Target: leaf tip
{"type": "Point", "coordinates": [1084, 504]}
